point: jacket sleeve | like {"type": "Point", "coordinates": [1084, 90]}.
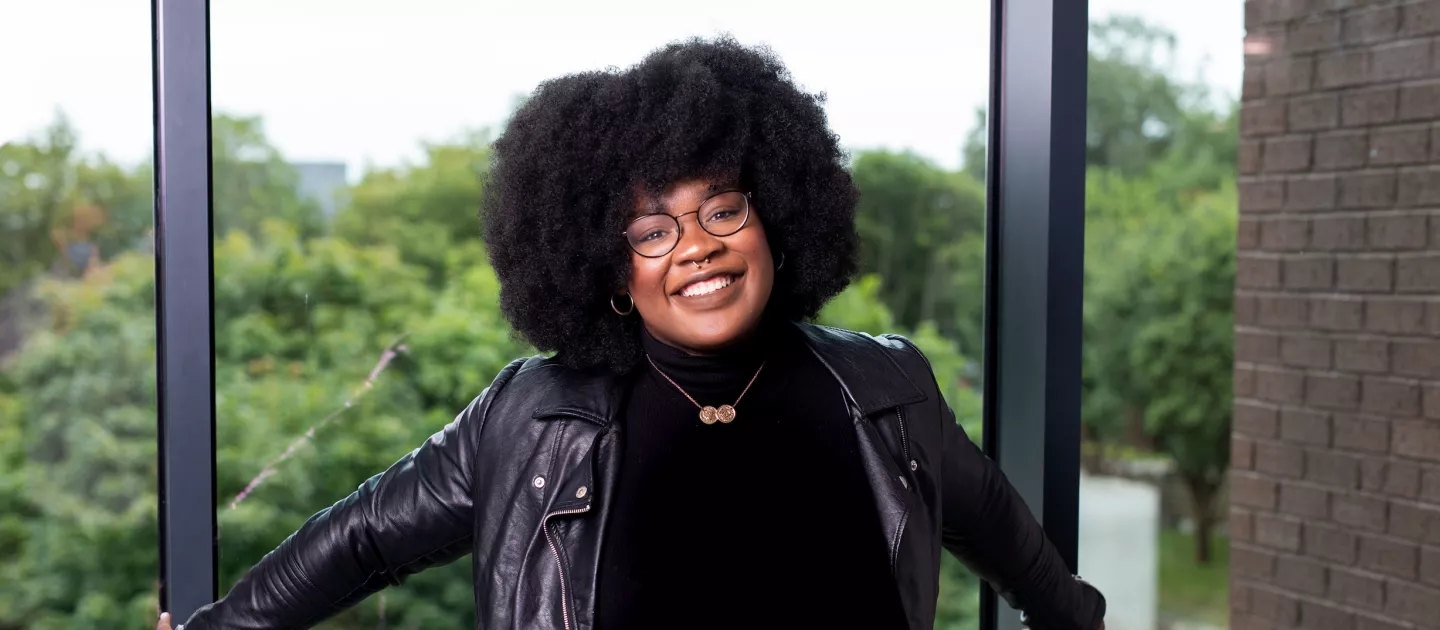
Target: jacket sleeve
{"type": "Point", "coordinates": [415, 515]}
{"type": "Point", "coordinates": [987, 525]}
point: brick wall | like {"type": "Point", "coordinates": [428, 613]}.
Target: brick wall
{"type": "Point", "coordinates": [1335, 504]}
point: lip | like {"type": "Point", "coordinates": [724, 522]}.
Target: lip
{"type": "Point", "coordinates": [703, 276]}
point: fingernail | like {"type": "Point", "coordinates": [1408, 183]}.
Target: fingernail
{"type": "Point", "coordinates": [165, 617]}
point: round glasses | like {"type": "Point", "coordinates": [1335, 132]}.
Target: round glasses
{"type": "Point", "coordinates": [722, 214]}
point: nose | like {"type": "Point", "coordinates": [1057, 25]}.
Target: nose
{"type": "Point", "coordinates": [695, 243]}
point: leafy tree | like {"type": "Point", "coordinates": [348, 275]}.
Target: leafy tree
{"type": "Point", "coordinates": [252, 183]}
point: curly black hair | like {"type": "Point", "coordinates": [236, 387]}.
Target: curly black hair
{"type": "Point", "coordinates": [569, 163]}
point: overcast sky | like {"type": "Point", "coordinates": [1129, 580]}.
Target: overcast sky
{"type": "Point", "coordinates": [364, 81]}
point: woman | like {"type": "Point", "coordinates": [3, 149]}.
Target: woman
{"type": "Point", "coordinates": [692, 455]}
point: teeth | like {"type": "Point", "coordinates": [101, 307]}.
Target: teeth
{"type": "Point", "coordinates": [708, 286]}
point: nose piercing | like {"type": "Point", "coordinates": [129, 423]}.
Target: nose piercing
{"type": "Point", "coordinates": [697, 263]}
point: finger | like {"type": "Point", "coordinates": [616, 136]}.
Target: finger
{"type": "Point", "coordinates": [164, 622]}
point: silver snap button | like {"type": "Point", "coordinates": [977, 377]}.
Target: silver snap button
{"type": "Point", "coordinates": [580, 494]}
{"type": "Point", "coordinates": [914, 466]}
{"type": "Point", "coordinates": [539, 481]}
{"type": "Point", "coordinates": [904, 483]}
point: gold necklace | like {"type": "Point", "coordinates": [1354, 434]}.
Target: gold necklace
{"type": "Point", "coordinates": [725, 414]}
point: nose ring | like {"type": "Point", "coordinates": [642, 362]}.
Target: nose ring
{"type": "Point", "coordinates": [697, 263]}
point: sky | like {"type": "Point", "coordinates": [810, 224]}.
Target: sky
{"type": "Point", "coordinates": [366, 81]}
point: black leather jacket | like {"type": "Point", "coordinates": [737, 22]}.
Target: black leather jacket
{"type": "Point", "coordinates": [523, 478]}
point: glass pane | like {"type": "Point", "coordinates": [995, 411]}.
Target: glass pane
{"type": "Point", "coordinates": [79, 540]}
{"type": "Point", "coordinates": [355, 308]}
{"type": "Point", "coordinates": [1162, 117]}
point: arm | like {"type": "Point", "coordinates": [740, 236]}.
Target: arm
{"type": "Point", "coordinates": [986, 524]}
{"type": "Point", "coordinates": [415, 515]}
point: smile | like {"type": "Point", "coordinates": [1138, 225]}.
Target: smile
{"type": "Point", "coordinates": [706, 287]}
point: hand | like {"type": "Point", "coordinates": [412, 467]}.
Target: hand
{"type": "Point", "coordinates": [164, 622]}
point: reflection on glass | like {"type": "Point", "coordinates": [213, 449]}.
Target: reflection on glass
{"type": "Point", "coordinates": [78, 532]}
{"type": "Point", "coordinates": [1159, 283]}
{"type": "Point", "coordinates": [355, 309]}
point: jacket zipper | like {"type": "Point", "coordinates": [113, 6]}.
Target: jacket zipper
{"type": "Point", "coordinates": [554, 550]}
{"type": "Point", "coordinates": [904, 442]}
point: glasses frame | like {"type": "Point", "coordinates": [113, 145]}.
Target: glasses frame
{"type": "Point", "coordinates": [680, 229]}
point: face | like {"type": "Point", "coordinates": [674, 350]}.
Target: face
{"type": "Point", "coordinates": [709, 291]}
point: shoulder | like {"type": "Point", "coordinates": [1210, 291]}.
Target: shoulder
{"type": "Point", "coordinates": [872, 353]}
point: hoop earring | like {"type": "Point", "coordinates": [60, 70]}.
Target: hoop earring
{"type": "Point", "coordinates": [782, 261]}
{"type": "Point", "coordinates": [617, 309]}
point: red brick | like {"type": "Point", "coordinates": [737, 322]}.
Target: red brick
{"type": "Point", "coordinates": [1248, 622]}
{"type": "Point", "coordinates": [1332, 391]}
{"type": "Point", "coordinates": [1370, 26]}
{"type": "Point", "coordinates": [1390, 397]}
{"type": "Point", "coordinates": [1430, 405]}
{"type": "Point", "coordinates": [1430, 566]}
{"type": "Point", "coordinates": [1393, 146]}
{"type": "Point", "coordinates": [1304, 501]}
{"type": "Point", "coordinates": [1419, 101]}
{"type": "Point", "coordinates": [1280, 460]}
{"type": "Point", "coordinates": [1399, 61]}
{"type": "Point", "coordinates": [1420, 18]}
{"type": "Point", "coordinates": [1282, 310]}
{"type": "Point", "coordinates": [1417, 357]}
{"type": "Point", "coordinates": [1418, 439]}
{"type": "Point", "coordinates": [1303, 426]}
{"type": "Point", "coordinates": [1314, 112]}
{"type": "Point", "coordinates": [1244, 381]}
{"type": "Point", "coordinates": [1310, 192]}
{"type": "Point", "coordinates": [1301, 575]}
{"type": "Point", "coordinates": [1332, 469]}
{"type": "Point", "coordinates": [1432, 316]}
{"type": "Point", "coordinates": [1252, 562]}
{"type": "Point", "coordinates": [1247, 235]}
{"type": "Point", "coordinates": [1239, 597]}
{"type": "Point", "coordinates": [1390, 557]}
{"type": "Point", "coordinates": [1242, 525]}
{"type": "Point", "coordinates": [1257, 346]}
{"type": "Point", "coordinates": [1281, 386]}
{"type": "Point", "coordinates": [1278, 532]}
{"type": "Point", "coordinates": [1418, 187]}
{"type": "Point", "coordinates": [1253, 82]}
{"type": "Point", "coordinates": [1354, 510]}
{"type": "Point", "coordinates": [1286, 154]}
{"type": "Point", "coordinates": [1329, 543]}
{"type": "Point", "coordinates": [1278, 607]}
{"type": "Point", "coordinates": [1418, 274]}
{"type": "Point", "coordinates": [1337, 233]}
{"type": "Point", "coordinates": [1413, 603]}
{"type": "Point", "coordinates": [1305, 351]}
{"type": "Point", "coordinates": [1372, 475]}
{"type": "Point", "coordinates": [1396, 231]}
{"type": "Point", "coordinates": [1366, 622]}
{"type": "Point", "coordinates": [1355, 433]}
{"type": "Point", "coordinates": [1369, 106]}
{"type": "Point", "coordinates": [1242, 453]}
{"type": "Point", "coordinates": [1336, 313]}
{"type": "Point", "coordinates": [1262, 118]}
{"type": "Point", "coordinates": [1255, 420]}
{"type": "Point", "coordinates": [1341, 69]}
{"type": "Point", "coordinates": [1338, 150]}
{"type": "Point", "coordinates": [1430, 486]}
{"type": "Point", "coordinates": [1418, 523]}
{"type": "Point", "coordinates": [1312, 34]}
{"type": "Point", "coordinates": [1357, 589]}
{"type": "Point", "coordinates": [1402, 479]}
{"type": "Point", "coordinates": [1255, 272]}
{"type": "Point", "coordinates": [1248, 157]}
{"type": "Point", "coordinates": [1262, 195]}
{"type": "Point", "coordinates": [1362, 355]}
{"type": "Point", "coordinates": [1435, 137]}
{"type": "Point", "coordinates": [1367, 190]}
{"type": "Point", "coordinates": [1284, 234]}
{"type": "Point", "coordinates": [1318, 616]}
{"type": "Point", "coordinates": [1257, 492]}
{"type": "Point", "coordinates": [1308, 273]}
{"type": "Point", "coordinates": [1288, 75]}
{"type": "Point", "coordinates": [1395, 315]}
{"type": "Point", "coordinates": [1245, 310]}
{"type": "Point", "coordinates": [1364, 274]}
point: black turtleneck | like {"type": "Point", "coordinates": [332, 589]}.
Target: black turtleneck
{"type": "Point", "coordinates": [764, 522]}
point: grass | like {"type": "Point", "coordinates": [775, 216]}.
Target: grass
{"type": "Point", "coordinates": [1189, 590]}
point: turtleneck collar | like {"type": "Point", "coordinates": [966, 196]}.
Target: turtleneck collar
{"type": "Point", "coordinates": [722, 374]}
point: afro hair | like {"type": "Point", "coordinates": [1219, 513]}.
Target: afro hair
{"type": "Point", "coordinates": [569, 163]}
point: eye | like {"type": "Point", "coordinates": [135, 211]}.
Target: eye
{"type": "Point", "coordinates": [653, 235]}
{"type": "Point", "coordinates": [723, 215]}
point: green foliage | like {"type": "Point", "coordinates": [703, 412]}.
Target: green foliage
{"type": "Point", "coordinates": [252, 182]}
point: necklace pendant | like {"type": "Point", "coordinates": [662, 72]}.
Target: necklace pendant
{"type": "Point", "coordinates": [725, 414]}
{"type": "Point", "coordinates": [709, 414]}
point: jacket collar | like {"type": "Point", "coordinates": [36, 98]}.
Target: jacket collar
{"type": "Point", "coordinates": [867, 372]}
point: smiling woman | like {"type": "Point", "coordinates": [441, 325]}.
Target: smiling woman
{"type": "Point", "coordinates": [667, 231]}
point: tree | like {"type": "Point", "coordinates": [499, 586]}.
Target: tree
{"type": "Point", "coordinates": [252, 182]}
